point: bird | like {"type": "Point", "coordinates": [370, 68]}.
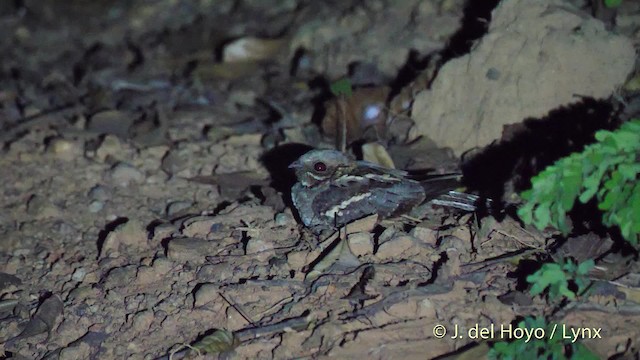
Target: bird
{"type": "Point", "coordinates": [333, 190]}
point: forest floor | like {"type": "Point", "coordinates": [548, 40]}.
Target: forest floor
{"type": "Point", "coordinates": [144, 188]}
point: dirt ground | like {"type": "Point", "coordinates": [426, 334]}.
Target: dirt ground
{"type": "Point", "coordinates": [145, 191]}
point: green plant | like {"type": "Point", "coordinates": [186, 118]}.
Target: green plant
{"type": "Point", "coordinates": [546, 342]}
{"type": "Point", "coordinates": [556, 278]}
{"type": "Point", "coordinates": [612, 3]}
{"type": "Point", "coordinates": [341, 87]}
{"type": "Point", "coordinates": [607, 169]}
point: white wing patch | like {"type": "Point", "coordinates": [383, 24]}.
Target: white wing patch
{"type": "Point", "coordinates": [383, 177]}
{"type": "Point", "coordinates": [337, 209]}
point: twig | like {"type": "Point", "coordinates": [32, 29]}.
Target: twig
{"type": "Point", "coordinates": [237, 308]}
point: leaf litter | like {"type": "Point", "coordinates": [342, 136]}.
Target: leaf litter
{"type": "Point", "coordinates": [149, 105]}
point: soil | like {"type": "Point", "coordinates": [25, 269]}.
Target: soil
{"type": "Point", "coordinates": [146, 197]}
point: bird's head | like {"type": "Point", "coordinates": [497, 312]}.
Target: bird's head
{"type": "Point", "coordinates": [318, 166]}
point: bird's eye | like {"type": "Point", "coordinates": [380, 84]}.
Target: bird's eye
{"type": "Point", "coordinates": [320, 166]}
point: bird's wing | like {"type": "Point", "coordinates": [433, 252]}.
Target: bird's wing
{"type": "Point", "coordinates": [364, 196]}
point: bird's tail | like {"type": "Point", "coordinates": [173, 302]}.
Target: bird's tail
{"type": "Point", "coordinates": [440, 190]}
{"type": "Point", "coordinates": [462, 201]}
{"type": "Point", "coordinates": [437, 185]}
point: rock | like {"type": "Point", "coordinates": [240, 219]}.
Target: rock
{"type": "Point", "coordinates": [42, 207]}
{"type": "Point", "coordinates": [211, 272]}
{"type": "Point", "coordinates": [80, 350]}
{"type": "Point", "coordinates": [65, 149]}
{"type": "Point", "coordinates": [361, 244]}
{"type": "Point", "coordinates": [284, 219]}
{"type": "Point", "coordinates": [190, 249]}
{"type": "Point", "coordinates": [131, 234]}
{"type": "Point", "coordinates": [79, 274]}
{"type": "Point", "coordinates": [142, 321]}
{"type": "Point", "coordinates": [124, 174]}
{"type": "Point", "coordinates": [110, 147]}
{"type": "Point", "coordinates": [205, 294]}
{"type": "Point", "coordinates": [176, 207]}
{"type": "Point", "coordinates": [532, 60]}
{"type": "Point", "coordinates": [298, 259]}
{"type": "Point", "coordinates": [36, 204]}
{"type": "Point", "coordinates": [163, 231]}
{"type": "Point", "coordinates": [95, 206]}
{"type": "Point", "coordinates": [425, 235]}
{"type": "Point", "coordinates": [99, 192]}
{"type": "Point", "coordinates": [260, 248]}
{"type": "Point", "coordinates": [120, 276]}
{"type": "Point", "coordinates": [399, 247]}
{"type": "Point", "coordinates": [173, 162]}
{"type": "Point", "coordinates": [111, 122]}
{"type": "Point", "coordinates": [7, 280]}
{"type": "Point", "coordinates": [83, 292]}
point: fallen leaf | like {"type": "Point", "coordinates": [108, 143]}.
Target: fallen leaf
{"type": "Point", "coordinates": [377, 154]}
{"type": "Point", "coordinates": [252, 49]}
{"type": "Point", "coordinates": [364, 109]}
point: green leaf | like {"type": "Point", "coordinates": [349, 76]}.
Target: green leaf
{"type": "Point", "coordinates": [607, 169]}
{"type": "Point", "coordinates": [608, 201]}
{"type": "Point", "coordinates": [542, 216]}
{"type": "Point", "coordinates": [571, 182]}
{"type": "Point", "coordinates": [612, 3]}
{"type": "Point", "coordinates": [629, 171]}
{"type": "Point", "coordinates": [342, 87]}
{"type": "Point", "coordinates": [585, 266]}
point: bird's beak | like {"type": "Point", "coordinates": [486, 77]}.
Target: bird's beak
{"type": "Point", "coordinates": [295, 165]}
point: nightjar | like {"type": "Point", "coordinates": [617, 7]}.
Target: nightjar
{"type": "Point", "coordinates": [334, 190]}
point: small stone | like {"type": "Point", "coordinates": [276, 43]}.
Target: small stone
{"type": "Point", "coordinates": [190, 249]}
{"type": "Point", "coordinates": [81, 293]}
{"type": "Point", "coordinates": [205, 294]}
{"type": "Point", "coordinates": [7, 280]}
{"type": "Point", "coordinates": [163, 231]}
{"type": "Point", "coordinates": [284, 219]}
{"type": "Point", "coordinates": [396, 247]}
{"type": "Point", "coordinates": [111, 146]}
{"type": "Point", "coordinates": [130, 234]}
{"type": "Point", "coordinates": [210, 272]}
{"type": "Point", "coordinates": [65, 150]}
{"type": "Point", "coordinates": [261, 249]}
{"type": "Point", "coordinates": [177, 206]}
{"type": "Point", "coordinates": [95, 206]}
{"type": "Point", "coordinates": [361, 244]}
{"type": "Point", "coordinates": [79, 274]}
{"type": "Point", "coordinates": [99, 192]}
{"type": "Point", "coordinates": [124, 174]}
{"type": "Point", "coordinates": [173, 162]}
{"type": "Point", "coordinates": [463, 233]}
{"type": "Point", "coordinates": [36, 204]}
{"type": "Point", "coordinates": [425, 235]}
{"type": "Point", "coordinates": [41, 207]}
{"type": "Point", "coordinates": [111, 122]}
{"type": "Point", "coordinates": [297, 259]}
{"type": "Point", "coordinates": [76, 350]}
{"type": "Point", "coordinates": [142, 321]}
{"type": "Point", "coordinates": [387, 235]}
{"type": "Point", "coordinates": [119, 277]}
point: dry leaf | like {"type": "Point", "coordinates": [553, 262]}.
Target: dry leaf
{"type": "Point", "coordinates": [377, 154]}
{"type": "Point", "coordinates": [252, 49]}
{"type": "Point", "coordinates": [364, 109]}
